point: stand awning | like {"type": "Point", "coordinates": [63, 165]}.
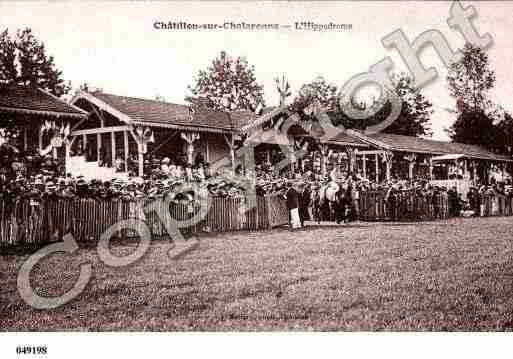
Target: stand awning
{"type": "Point", "coordinates": [449, 157]}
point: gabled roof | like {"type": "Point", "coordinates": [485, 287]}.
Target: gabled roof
{"type": "Point", "coordinates": [267, 114]}
{"type": "Point", "coordinates": [164, 114]}
{"type": "Point", "coordinates": [25, 100]}
{"type": "Point", "coordinates": [272, 136]}
{"type": "Point", "coordinates": [421, 145]}
{"type": "Point", "coordinates": [344, 138]}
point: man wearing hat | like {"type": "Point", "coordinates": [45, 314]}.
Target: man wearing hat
{"type": "Point", "coordinates": [165, 165]}
{"type": "Point", "coordinates": [293, 205]}
{"type": "Point", "coordinates": [304, 202]}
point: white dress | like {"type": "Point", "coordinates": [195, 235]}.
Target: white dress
{"type": "Point", "coordinates": [294, 218]}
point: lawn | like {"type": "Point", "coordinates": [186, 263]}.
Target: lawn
{"type": "Point", "coordinates": [453, 275]}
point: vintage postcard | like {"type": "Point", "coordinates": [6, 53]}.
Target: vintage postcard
{"type": "Point", "coordinates": [270, 166]}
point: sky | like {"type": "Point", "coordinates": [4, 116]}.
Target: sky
{"type": "Point", "coordinates": [115, 46]}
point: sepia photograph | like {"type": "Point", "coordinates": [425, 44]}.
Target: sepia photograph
{"type": "Point", "coordinates": [262, 166]}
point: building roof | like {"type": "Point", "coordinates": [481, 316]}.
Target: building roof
{"type": "Point", "coordinates": [421, 145]}
{"type": "Point", "coordinates": [267, 115]}
{"type": "Point", "coordinates": [24, 100]}
{"type": "Point", "coordinates": [453, 156]}
{"type": "Point", "coordinates": [165, 114]}
{"type": "Point", "coordinates": [345, 139]}
{"type": "Point", "coordinates": [272, 136]}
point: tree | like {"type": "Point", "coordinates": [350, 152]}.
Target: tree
{"type": "Point", "coordinates": [24, 61]}
{"type": "Point", "coordinates": [228, 84]}
{"type": "Point", "coordinates": [469, 79]}
{"type": "Point", "coordinates": [324, 94]}
{"type": "Point", "coordinates": [319, 90]}
{"type": "Point", "coordinates": [505, 132]}
{"type": "Point", "coordinates": [412, 121]}
{"type": "Point", "coordinates": [476, 128]}
{"type": "Point", "coordinates": [415, 111]}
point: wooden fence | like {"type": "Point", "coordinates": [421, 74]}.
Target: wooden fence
{"type": "Point", "coordinates": [403, 206]}
{"type": "Point", "coordinates": [87, 219]}
{"type": "Point", "coordinates": [497, 205]}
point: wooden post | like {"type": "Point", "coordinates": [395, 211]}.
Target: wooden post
{"type": "Point", "coordinates": [430, 167]}
{"type": "Point", "coordinates": [25, 138]}
{"type": "Point", "coordinates": [99, 141]}
{"type": "Point", "coordinates": [140, 158]}
{"type": "Point", "coordinates": [364, 164]}
{"type": "Point", "coordinates": [98, 146]}
{"type": "Point", "coordinates": [189, 138]}
{"type": "Point", "coordinates": [207, 151]}
{"type": "Point", "coordinates": [113, 148]}
{"type": "Point", "coordinates": [231, 145]}
{"type": "Point", "coordinates": [387, 157]}
{"type": "Point", "coordinates": [232, 157]}
{"type": "Point", "coordinates": [377, 168]}
{"type": "Point", "coordinates": [40, 139]}
{"type": "Point", "coordinates": [351, 154]}
{"type": "Point", "coordinates": [67, 157]}
{"type": "Point", "coordinates": [324, 159]}
{"type": "Point", "coordinates": [125, 142]}
{"type": "Point", "coordinates": [411, 164]}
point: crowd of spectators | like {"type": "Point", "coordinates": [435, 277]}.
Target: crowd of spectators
{"type": "Point", "coordinates": [41, 177]}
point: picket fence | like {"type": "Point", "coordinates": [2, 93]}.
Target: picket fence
{"type": "Point", "coordinates": [497, 205]}
{"type": "Point", "coordinates": [88, 219]}
{"type": "Point", "coordinates": [415, 206]}
{"type": "Point", "coordinates": [404, 206]}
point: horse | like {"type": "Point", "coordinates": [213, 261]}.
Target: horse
{"type": "Point", "coordinates": [332, 202]}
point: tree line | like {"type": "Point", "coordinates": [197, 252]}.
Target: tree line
{"type": "Point", "coordinates": [230, 83]}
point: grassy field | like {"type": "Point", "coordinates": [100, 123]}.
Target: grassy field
{"type": "Point", "coordinates": [454, 275]}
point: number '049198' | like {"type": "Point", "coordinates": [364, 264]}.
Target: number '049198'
{"type": "Point", "coordinates": [27, 350]}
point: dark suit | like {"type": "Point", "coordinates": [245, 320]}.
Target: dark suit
{"type": "Point", "coordinates": [292, 202]}
{"type": "Point", "coordinates": [304, 202]}
{"type": "Point", "coordinates": [292, 199]}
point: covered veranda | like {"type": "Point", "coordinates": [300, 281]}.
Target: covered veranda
{"type": "Point", "coordinates": [36, 122]}
{"type": "Point", "coordinates": [378, 157]}
{"type": "Point", "coordinates": [127, 136]}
